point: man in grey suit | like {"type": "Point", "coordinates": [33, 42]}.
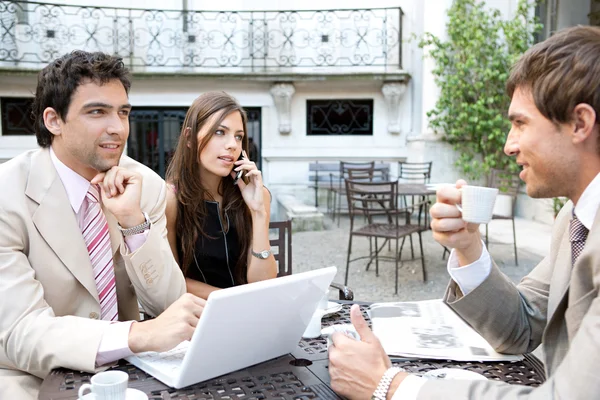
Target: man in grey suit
{"type": "Point", "coordinates": [555, 137]}
{"type": "Point", "coordinates": [83, 236]}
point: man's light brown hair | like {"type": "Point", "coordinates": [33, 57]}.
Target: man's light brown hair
{"type": "Point", "coordinates": [561, 72]}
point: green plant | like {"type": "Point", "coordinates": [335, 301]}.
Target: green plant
{"type": "Point", "coordinates": [557, 204]}
{"type": "Point", "coordinates": [471, 70]}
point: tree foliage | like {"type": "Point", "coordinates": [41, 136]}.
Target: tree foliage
{"type": "Point", "coordinates": [471, 69]}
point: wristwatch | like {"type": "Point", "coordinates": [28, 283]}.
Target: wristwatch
{"type": "Point", "coordinates": [134, 230]}
{"type": "Point", "coordinates": [263, 255]}
{"type": "Point", "coordinates": [384, 384]}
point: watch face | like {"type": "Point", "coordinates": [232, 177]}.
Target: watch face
{"type": "Point", "coordinates": [264, 253]}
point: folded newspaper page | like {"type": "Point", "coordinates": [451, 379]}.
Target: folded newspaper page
{"type": "Point", "coordinates": [430, 329]}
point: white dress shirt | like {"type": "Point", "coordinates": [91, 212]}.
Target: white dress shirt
{"type": "Point", "coordinates": [470, 276]}
{"type": "Point", "coordinates": [114, 344]}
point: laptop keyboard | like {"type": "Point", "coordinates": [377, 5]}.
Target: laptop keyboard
{"type": "Point", "coordinates": [167, 361]}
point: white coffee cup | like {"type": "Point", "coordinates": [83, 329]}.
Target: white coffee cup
{"type": "Point", "coordinates": [477, 205]}
{"type": "Point", "coordinates": [108, 385]}
{"type": "Point", "coordinates": [347, 329]}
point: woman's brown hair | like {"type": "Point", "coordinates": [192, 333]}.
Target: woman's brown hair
{"type": "Point", "coordinates": [184, 174]}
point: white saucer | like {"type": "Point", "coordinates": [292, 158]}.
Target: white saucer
{"type": "Point", "coordinates": [455, 373]}
{"type": "Point", "coordinates": [131, 394]}
{"type": "Point", "coordinates": [332, 307]}
{"type": "Point", "coordinates": [436, 186]}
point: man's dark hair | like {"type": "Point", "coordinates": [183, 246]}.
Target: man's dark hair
{"type": "Point", "coordinates": [58, 81]}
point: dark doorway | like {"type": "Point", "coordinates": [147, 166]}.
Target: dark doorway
{"type": "Point", "coordinates": [153, 136]}
{"type": "Point", "coordinates": [255, 132]}
{"type": "Point", "coordinates": [155, 131]}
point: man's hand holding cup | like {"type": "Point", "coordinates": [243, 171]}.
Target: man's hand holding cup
{"type": "Point", "coordinates": [456, 215]}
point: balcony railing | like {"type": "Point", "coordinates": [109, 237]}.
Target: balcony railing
{"type": "Point", "coordinates": [33, 33]}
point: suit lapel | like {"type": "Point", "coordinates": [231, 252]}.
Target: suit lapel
{"type": "Point", "coordinates": [593, 238]}
{"type": "Point", "coordinates": [561, 278]}
{"type": "Point", "coordinates": [559, 284]}
{"type": "Point", "coordinates": [55, 220]}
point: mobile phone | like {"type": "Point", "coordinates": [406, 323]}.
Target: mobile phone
{"type": "Point", "coordinates": [240, 172]}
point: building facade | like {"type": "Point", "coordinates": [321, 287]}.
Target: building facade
{"type": "Point", "coordinates": [321, 81]}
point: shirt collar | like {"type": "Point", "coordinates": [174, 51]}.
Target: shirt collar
{"type": "Point", "coordinates": [75, 184]}
{"type": "Point", "coordinates": [588, 203]}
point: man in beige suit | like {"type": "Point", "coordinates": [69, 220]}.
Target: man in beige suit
{"type": "Point", "coordinates": [83, 236]}
{"type": "Point", "coordinates": [555, 137]}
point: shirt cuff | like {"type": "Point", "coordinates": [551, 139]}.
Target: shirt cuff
{"type": "Point", "coordinates": [114, 343]}
{"type": "Point", "coordinates": [409, 388]}
{"type": "Point", "coordinates": [470, 276]}
{"type": "Point", "coordinates": [136, 241]}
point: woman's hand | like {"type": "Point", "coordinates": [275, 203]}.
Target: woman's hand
{"type": "Point", "coordinates": [252, 192]}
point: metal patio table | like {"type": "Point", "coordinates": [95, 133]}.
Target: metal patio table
{"type": "Point", "coordinates": [300, 375]}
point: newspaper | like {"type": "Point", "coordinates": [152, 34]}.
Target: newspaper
{"type": "Point", "coordinates": [430, 329]}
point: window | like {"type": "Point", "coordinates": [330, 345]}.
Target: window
{"type": "Point", "coordinates": [339, 117]}
{"type": "Point", "coordinates": [153, 135]}
{"type": "Point", "coordinates": [16, 116]}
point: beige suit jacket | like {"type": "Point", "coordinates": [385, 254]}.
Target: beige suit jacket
{"type": "Point", "coordinates": [48, 299]}
{"type": "Point", "coordinates": [556, 305]}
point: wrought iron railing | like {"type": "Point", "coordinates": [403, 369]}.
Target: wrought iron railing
{"type": "Point", "coordinates": [33, 33]}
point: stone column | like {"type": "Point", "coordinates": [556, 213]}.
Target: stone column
{"type": "Point", "coordinates": [282, 96]}
{"type": "Point", "coordinates": [392, 92]}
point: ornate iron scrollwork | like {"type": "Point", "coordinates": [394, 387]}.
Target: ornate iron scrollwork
{"type": "Point", "coordinates": [33, 33]}
{"type": "Point", "coordinates": [339, 117]}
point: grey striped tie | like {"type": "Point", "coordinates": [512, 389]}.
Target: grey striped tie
{"type": "Point", "coordinates": [577, 235]}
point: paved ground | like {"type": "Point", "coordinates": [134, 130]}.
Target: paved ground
{"type": "Point", "coordinates": [312, 250]}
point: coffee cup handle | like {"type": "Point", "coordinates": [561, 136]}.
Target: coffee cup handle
{"type": "Point", "coordinates": [83, 388]}
{"type": "Point", "coordinates": [459, 206]}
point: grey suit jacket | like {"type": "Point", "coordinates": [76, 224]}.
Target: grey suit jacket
{"type": "Point", "coordinates": [556, 305]}
{"type": "Point", "coordinates": [48, 296]}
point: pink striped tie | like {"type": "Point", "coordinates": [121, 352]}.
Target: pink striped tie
{"type": "Point", "coordinates": [97, 239]}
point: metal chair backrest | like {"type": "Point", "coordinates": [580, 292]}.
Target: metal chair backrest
{"type": "Point", "coordinates": [360, 174]}
{"type": "Point", "coordinates": [345, 166]}
{"type": "Point", "coordinates": [372, 199]}
{"type": "Point", "coordinates": [508, 184]}
{"type": "Point", "coordinates": [415, 171]}
{"type": "Point", "coordinates": [283, 242]}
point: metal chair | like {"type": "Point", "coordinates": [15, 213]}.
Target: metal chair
{"type": "Point", "coordinates": [508, 184]}
{"type": "Point", "coordinates": [414, 172]}
{"type": "Point", "coordinates": [376, 201]}
{"type": "Point", "coordinates": [339, 192]}
{"type": "Point", "coordinates": [283, 243]}
{"type": "Point", "coordinates": [366, 175]}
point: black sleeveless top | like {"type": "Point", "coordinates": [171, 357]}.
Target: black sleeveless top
{"type": "Point", "coordinates": [215, 255]}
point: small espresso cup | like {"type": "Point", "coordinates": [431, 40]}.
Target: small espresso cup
{"type": "Point", "coordinates": [477, 205]}
{"type": "Point", "coordinates": [108, 385]}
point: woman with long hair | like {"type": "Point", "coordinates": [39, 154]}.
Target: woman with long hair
{"type": "Point", "coordinates": [218, 225]}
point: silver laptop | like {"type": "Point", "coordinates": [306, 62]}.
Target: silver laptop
{"type": "Point", "coordinates": [241, 326]}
